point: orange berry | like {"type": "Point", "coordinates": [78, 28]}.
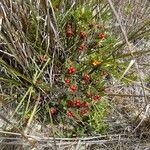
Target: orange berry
{"type": "Point", "coordinates": [96, 63]}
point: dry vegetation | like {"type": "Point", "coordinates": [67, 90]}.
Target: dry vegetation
{"type": "Point", "coordinates": [24, 25]}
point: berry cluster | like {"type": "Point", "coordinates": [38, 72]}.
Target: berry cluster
{"type": "Point", "coordinates": [80, 106]}
{"type": "Point", "coordinates": [82, 77]}
{"type": "Point", "coordinates": [74, 82]}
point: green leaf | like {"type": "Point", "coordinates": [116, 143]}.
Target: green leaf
{"type": "Point", "coordinates": [13, 71]}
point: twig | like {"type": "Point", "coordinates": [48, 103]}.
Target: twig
{"type": "Point", "coordinates": [32, 143]}
{"type": "Point", "coordinates": [67, 139]}
{"type": "Point", "coordinates": [126, 95]}
{"type": "Point", "coordinates": [7, 53]}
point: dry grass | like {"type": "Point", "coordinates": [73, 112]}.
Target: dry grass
{"type": "Point", "coordinates": [130, 113]}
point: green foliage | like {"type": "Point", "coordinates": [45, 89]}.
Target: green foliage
{"type": "Point", "coordinates": [97, 117]}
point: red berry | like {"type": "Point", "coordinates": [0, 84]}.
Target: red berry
{"type": "Point", "coordinates": [69, 113]}
{"type": "Point", "coordinates": [70, 104]}
{"type": "Point", "coordinates": [71, 70]}
{"type": "Point", "coordinates": [102, 36]}
{"type": "Point", "coordinates": [69, 33]}
{"type": "Point", "coordinates": [77, 103]}
{"type": "Point", "coordinates": [73, 88]}
{"type": "Point", "coordinates": [82, 47]}
{"type": "Point", "coordinates": [67, 81]}
{"type": "Point", "coordinates": [83, 112]}
{"type": "Point", "coordinates": [85, 104]}
{"type": "Point", "coordinates": [96, 98]}
{"type": "Point", "coordinates": [86, 77]}
{"type": "Point", "coordinates": [83, 35]}
{"type": "Point", "coordinates": [53, 110]}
